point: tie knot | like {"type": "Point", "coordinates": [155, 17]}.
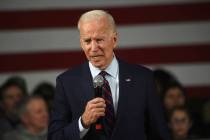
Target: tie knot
{"type": "Point", "coordinates": [103, 73]}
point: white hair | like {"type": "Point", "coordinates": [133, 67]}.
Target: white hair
{"type": "Point", "coordinates": [97, 14]}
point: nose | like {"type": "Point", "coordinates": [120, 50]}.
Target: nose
{"type": "Point", "coordinates": [17, 99]}
{"type": "Point", "coordinates": [94, 46]}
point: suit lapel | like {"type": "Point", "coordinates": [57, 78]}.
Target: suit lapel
{"type": "Point", "coordinates": [87, 83]}
{"type": "Point", "coordinates": [125, 80]}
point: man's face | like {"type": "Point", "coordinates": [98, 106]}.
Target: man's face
{"type": "Point", "coordinates": [174, 97]}
{"type": "Point", "coordinates": [11, 96]}
{"type": "Point", "coordinates": [37, 115]}
{"type": "Point", "coordinates": [98, 42]}
{"type": "Point", "coordinates": [180, 123]}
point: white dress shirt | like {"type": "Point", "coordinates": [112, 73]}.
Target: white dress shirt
{"type": "Point", "coordinates": [113, 79]}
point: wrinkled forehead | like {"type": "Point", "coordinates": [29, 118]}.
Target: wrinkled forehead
{"type": "Point", "coordinates": [35, 104]}
{"type": "Point", "coordinates": [96, 28]}
{"type": "Point", "coordinates": [100, 23]}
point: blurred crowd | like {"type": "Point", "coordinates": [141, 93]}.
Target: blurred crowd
{"type": "Point", "coordinates": [187, 118]}
{"type": "Point", "coordinates": [24, 116]}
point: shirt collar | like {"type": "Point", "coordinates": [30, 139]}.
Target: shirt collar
{"type": "Point", "coordinates": [112, 69]}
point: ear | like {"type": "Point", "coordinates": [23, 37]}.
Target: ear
{"type": "Point", "coordinates": [81, 44]}
{"type": "Point", "coordinates": [115, 39]}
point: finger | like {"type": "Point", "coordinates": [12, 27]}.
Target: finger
{"type": "Point", "coordinates": [98, 110]}
{"type": "Point", "coordinates": [96, 100]}
{"type": "Point", "coordinates": [97, 115]}
{"type": "Point", "coordinates": [98, 105]}
{"type": "Point", "coordinates": [92, 104]}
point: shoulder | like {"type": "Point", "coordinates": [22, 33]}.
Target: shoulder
{"type": "Point", "coordinates": [5, 124]}
{"type": "Point", "coordinates": [74, 72]}
{"type": "Point", "coordinates": [10, 135]}
{"type": "Point", "coordinates": [135, 69]}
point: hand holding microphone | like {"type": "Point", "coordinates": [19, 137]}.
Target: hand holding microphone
{"type": "Point", "coordinates": [95, 108]}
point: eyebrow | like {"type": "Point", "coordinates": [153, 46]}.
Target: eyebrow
{"type": "Point", "coordinates": [86, 39]}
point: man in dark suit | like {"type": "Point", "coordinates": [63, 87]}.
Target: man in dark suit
{"type": "Point", "coordinates": [129, 108]}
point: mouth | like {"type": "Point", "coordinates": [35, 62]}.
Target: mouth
{"type": "Point", "coordinates": [96, 56]}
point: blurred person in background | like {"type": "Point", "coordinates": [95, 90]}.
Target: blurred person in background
{"type": "Point", "coordinates": [173, 96]}
{"type": "Point", "coordinates": [162, 79]}
{"type": "Point", "coordinates": [33, 115]}
{"type": "Point", "coordinates": [180, 123]}
{"type": "Point", "coordinates": [46, 91]}
{"type": "Point", "coordinates": [11, 92]}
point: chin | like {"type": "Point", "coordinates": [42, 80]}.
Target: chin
{"type": "Point", "coordinates": [100, 66]}
{"type": "Point", "coordinates": [97, 65]}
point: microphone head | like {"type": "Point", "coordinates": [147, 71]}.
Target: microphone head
{"type": "Point", "coordinates": [98, 81]}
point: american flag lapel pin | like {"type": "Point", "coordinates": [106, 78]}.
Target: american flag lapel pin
{"type": "Point", "coordinates": [128, 79]}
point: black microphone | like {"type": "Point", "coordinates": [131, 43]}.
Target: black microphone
{"type": "Point", "coordinates": [98, 81]}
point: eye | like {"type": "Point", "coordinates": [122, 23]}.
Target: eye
{"type": "Point", "coordinates": [87, 41]}
{"type": "Point", "coordinates": [98, 40]}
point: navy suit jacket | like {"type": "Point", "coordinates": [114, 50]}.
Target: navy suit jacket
{"type": "Point", "coordinates": [139, 112]}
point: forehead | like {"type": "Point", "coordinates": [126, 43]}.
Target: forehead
{"type": "Point", "coordinates": [35, 104]}
{"type": "Point", "coordinates": [97, 27]}
{"type": "Point", "coordinates": [13, 89]}
{"type": "Point", "coordinates": [174, 91]}
{"type": "Point", "coordinates": [180, 113]}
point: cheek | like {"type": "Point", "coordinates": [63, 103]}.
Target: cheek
{"type": "Point", "coordinates": [9, 103]}
{"type": "Point", "coordinates": [86, 49]}
{"type": "Point", "coordinates": [178, 128]}
{"type": "Point", "coordinates": [175, 127]}
{"type": "Point", "coordinates": [83, 46]}
{"type": "Point", "coordinates": [168, 101]}
{"type": "Point", "coordinates": [33, 118]}
{"type": "Point", "coordinates": [181, 100]}
{"type": "Point", "coordinates": [108, 51]}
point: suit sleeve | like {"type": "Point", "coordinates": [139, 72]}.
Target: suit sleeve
{"type": "Point", "coordinates": [156, 122]}
{"type": "Point", "coordinates": [62, 126]}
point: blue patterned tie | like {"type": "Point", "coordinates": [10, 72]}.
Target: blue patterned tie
{"type": "Point", "coordinates": [109, 113]}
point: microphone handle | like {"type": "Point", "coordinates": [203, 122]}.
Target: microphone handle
{"type": "Point", "coordinates": [98, 125]}
{"type": "Point", "coordinates": [98, 92]}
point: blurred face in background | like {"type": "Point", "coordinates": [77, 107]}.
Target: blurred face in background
{"type": "Point", "coordinates": [174, 97]}
{"type": "Point", "coordinates": [36, 117]}
{"type": "Point", "coordinates": [11, 96]}
{"type": "Point", "coordinates": [180, 124]}
{"type": "Point", "coordinates": [98, 41]}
